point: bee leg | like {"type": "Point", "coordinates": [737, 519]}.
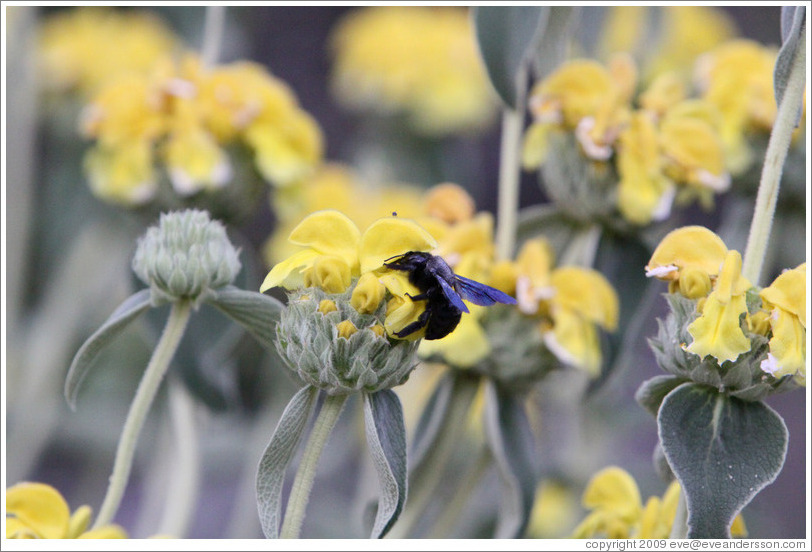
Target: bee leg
{"type": "Point", "coordinates": [418, 297]}
{"type": "Point", "coordinates": [421, 322]}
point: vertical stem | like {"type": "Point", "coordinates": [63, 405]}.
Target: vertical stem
{"type": "Point", "coordinates": [582, 248]}
{"type": "Point", "coordinates": [147, 389]}
{"type": "Point", "coordinates": [182, 489]}
{"type": "Point", "coordinates": [303, 484]}
{"type": "Point", "coordinates": [774, 165]}
{"type": "Point", "coordinates": [509, 173]}
{"type": "Point", "coordinates": [212, 35]}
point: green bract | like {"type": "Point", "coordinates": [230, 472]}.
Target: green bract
{"type": "Point", "coordinates": [308, 340]}
{"type": "Point", "coordinates": [186, 256]}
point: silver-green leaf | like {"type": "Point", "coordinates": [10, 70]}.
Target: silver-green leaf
{"type": "Point", "coordinates": [386, 437]}
{"type": "Point", "coordinates": [505, 36]}
{"type": "Point", "coordinates": [277, 457]}
{"type": "Point", "coordinates": [507, 430]}
{"type": "Point", "coordinates": [124, 314]}
{"type": "Point", "coordinates": [256, 312]}
{"type": "Point", "coordinates": [723, 451]}
{"type": "Point", "coordinates": [793, 21]}
{"type": "Point", "coordinates": [651, 392]}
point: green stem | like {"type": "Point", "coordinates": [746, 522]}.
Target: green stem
{"type": "Point", "coordinates": [303, 484]}
{"type": "Point", "coordinates": [774, 165]}
{"type": "Point", "coordinates": [150, 381]}
{"type": "Point", "coordinates": [448, 519]}
{"type": "Point", "coordinates": [509, 174]}
{"type": "Point", "coordinates": [212, 35]}
{"type": "Point", "coordinates": [182, 490]}
{"type": "Point", "coordinates": [582, 248]}
{"type": "Point", "coordinates": [679, 530]}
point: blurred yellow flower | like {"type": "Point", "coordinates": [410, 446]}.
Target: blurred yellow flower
{"type": "Point", "coordinates": [420, 61]}
{"type": "Point", "coordinates": [617, 511]}
{"type": "Point", "coordinates": [737, 78]}
{"type": "Point", "coordinates": [84, 48]}
{"type": "Point", "coordinates": [38, 511]}
{"type": "Point", "coordinates": [785, 300]}
{"type": "Point", "coordinates": [183, 116]}
{"type": "Point", "coordinates": [554, 510]}
{"type": "Point", "coordinates": [687, 249]}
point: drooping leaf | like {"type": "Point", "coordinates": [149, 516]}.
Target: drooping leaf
{"type": "Point", "coordinates": [505, 35]}
{"type": "Point", "coordinates": [386, 436]}
{"type": "Point", "coordinates": [510, 439]}
{"type": "Point", "coordinates": [277, 457]}
{"type": "Point", "coordinates": [723, 451]}
{"type": "Point", "coordinates": [793, 21]}
{"type": "Point", "coordinates": [554, 40]}
{"type": "Point", "coordinates": [256, 312]}
{"type": "Point", "coordinates": [651, 392]}
{"type": "Point", "coordinates": [124, 314]}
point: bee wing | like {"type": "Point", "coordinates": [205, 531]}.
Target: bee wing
{"type": "Point", "coordinates": [480, 294]}
{"type": "Point", "coordinates": [452, 295]}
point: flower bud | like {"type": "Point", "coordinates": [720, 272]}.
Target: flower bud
{"type": "Point", "coordinates": [368, 294]}
{"type": "Point", "coordinates": [185, 257]}
{"type": "Point", "coordinates": [326, 306]}
{"type": "Point", "coordinates": [330, 274]}
{"type": "Point", "coordinates": [450, 203]}
{"type": "Point", "coordinates": [694, 283]}
{"type": "Point", "coordinates": [346, 329]}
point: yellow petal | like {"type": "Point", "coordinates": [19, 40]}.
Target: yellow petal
{"type": "Point", "coordinates": [788, 292]}
{"type": "Point", "coordinates": [462, 348]}
{"type": "Point", "coordinates": [693, 246]}
{"type": "Point", "coordinates": [285, 274]}
{"type": "Point", "coordinates": [196, 162]}
{"type": "Point", "coordinates": [122, 174]}
{"type": "Point", "coordinates": [650, 519]}
{"type": "Point", "coordinates": [389, 237]}
{"type": "Point", "coordinates": [588, 293]}
{"type": "Point", "coordinates": [79, 521]}
{"type": "Point", "coordinates": [738, 529]}
{"type": "Point", "coordinates": [718, 331]}
{"type": "Point", "coordinates": [40, 507]}
{"type": "Point", "coordinates": [535, 145]}
{"type": "Point", "coordinates": [787, 346]}
{"type": "Point", "coordinates": [731, 282]}
{"type": "Point", "coordinates": [16, 529]}
{"type": "Point", "coordinates": [449, 202]}
{"type": "Point", "coordinates": [401, 310]}
{"type": "Point", "coordinates": [329, 273]}
{"type": "Point", "coordinates": [613, 489]}
{"type": "Point", "coordinates": [535, 260]}
{"type": "Point", "coordinates": [574, 340]}
{"type": "Point", "coordinates": [368, 294]}
{"type": "Point", "coordinates": [330, 233]}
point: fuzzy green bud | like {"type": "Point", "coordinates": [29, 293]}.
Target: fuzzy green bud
{"type": "Point", "coordinates": [186, 256]}
{"type": "Point", "coordinates": [328, 344]}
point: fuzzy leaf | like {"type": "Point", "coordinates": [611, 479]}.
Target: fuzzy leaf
{"type": "Point", "coordinates": [507, 430]}
{"type": "Point", "coordinates": [124, 314]}
{"type": "Point", "coordinates": [505, 34]}
{"type": "Point", "coordinates": [793, 20]}
{"type": "Point", "coordinates": [386, 436]}
{"type": "Point", "coordinates": [277, 456]}
{"type": "Point", "coordinates": [651, 392]}
{"type": "Point", "coordinates": [256, 312]}
{"type": "Point", "coordinates": [554, 41]}
{"type": "Point", "coordinates": [723, 451]}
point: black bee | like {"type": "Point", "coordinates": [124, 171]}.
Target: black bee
{"type": "Point", "coordinates": [443, 292]}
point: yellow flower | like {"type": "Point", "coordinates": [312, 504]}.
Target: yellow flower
{"type": "Point", "coordinates": [38, 511]}
{"type": "Point", "coordinates": [737, 77]}
{"type": "Point", "coordinates": [465, 346]}
{"type": "Point", "coordinates": [618, 512]}
{"type": "Point", "coordinates": [421, 61]}
{"type": "Point", "coordinates": [553, 514]}
{"type": "Point", "coordinates": [574, 299]}
{"type": "Point", "coordinates": [718, 332]}
{"type": "Point", "coordinates": [184, 116]}
{"type": "Point", "coordinates": [84, 48]}
{"type": "Point", "coordinates": [785, 299]}
{"type": "Point", "coordinates": [687, 250]}
{"type": "Point", "coordinates": [449, 202]}
{"type": "Point", "coordinates": [644, 192]}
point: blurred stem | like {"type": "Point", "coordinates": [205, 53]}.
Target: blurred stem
{"type": "Point", "coordinates": [426, 476]}
{"type": "Point", "coordinates": [510, 172]}
{"type": "Point", "coordinates": [777, 148]}
{"type": "Point", "coordinates": [582, 248]}
{"type": "Point", "coordinates": [212, 35]}
{"type": "Point", "coordinates": [181, 493]}
{"type": "Point", "coordinates": [451, 514]}
{"type": "Point", "coordinates": [679, 530]}
{"type": "Point", "coordinates": [147, 389]}
{"type": "Point", "coordinates": [303, 484]}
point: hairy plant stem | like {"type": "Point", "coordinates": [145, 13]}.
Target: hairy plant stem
{"type": "Point", "coordinates": [777, 148]}
{"type": "Point", "coordinates": [509, 173]}
{"type": "Point", "coordinates": [303, 483]}
{"type": "Point", "coordinates": [212, 35]}
{"type": "Point", "coordinates": [147, 389]}
{"type": "Point", "coordinates": [583, 247]}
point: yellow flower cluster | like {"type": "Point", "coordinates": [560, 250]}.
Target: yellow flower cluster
{"type": "Point", "coordinates": [83, 48]}
{"type": "Point", "coordinates": [183, 116]}
{"type": "Point", "coordinates": [38, 511]}
{"type": "Point", "coordinates": [617, 511]}
{"type": "Point", "coordinates": [697, 264]}
{"type": "Point", "coordinates": [420, 61]}
{"type": "Point", "coordinates": [668, 147]}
